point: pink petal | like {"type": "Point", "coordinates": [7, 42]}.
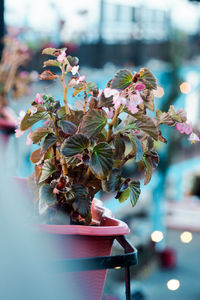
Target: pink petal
{"type": "Point", "coordinates": [140, 86]}
{"type": "Point", "coordinates": [56, 191]}
{"type": "Point", "coordinates": [18, 133]}
{"type": "Point", "coordinates": [28, 140]}
{"type": "Point", "coordinates": [188, 128]}
{"type": "Point", "coordinates": [180, 127]}
{"type": "Point", "coordinates": [75, 70]}
{"type": "Point", "coordinates": [107, 92]}
{"type": "Point", "coordinates": [61, 57]}
{"type": "Point", "coordinates": [38, 99]}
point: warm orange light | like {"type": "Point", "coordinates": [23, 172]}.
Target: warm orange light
{"type": "Point", "coordinates": [185, 87]}
{"type": "Point", "coordinates": [159, 92]}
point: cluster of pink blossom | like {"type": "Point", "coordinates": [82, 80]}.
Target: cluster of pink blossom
{"type": "Point", "coordinates": [129, 99]}
{"type": "Point", "coordinates": [61, 59]}
{"type": "Point", "coordinates": [187, 129]}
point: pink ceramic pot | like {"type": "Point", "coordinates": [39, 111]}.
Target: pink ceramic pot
{"type": "Point", "coordinates": [77, 241]}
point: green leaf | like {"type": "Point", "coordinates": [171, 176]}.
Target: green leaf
{"type": "Point", "coordinates": [93, 122]}
{"type": "Point", "coordinates": [132, 126]}
{"type": "Point", "coordinates": [75, 116]}
{"type": "Point", "coordinates": [122, 79]}
{"type": "Point", "coordinates": [92, 86]}
{"type": "Point", "coordinates": [49, 141]}
{"type": "Point", "coordinates": [113, 182]}
{"type": "Point", "coordinates": [74, 145]}
{"type": "Point", "coordinates": [47, 170]}
{"type": "Point", "coordinates": [51, 62]}
{"type": "Point", "coordinates": [101, 160]}
{"type": "Point", "coordinates": [82, 200]}
{"type": "Point", "coordinates": [73, 61]}
{"type": "Point", "coordinates": [38, 134]}
{"type": "Point", "coordinates": [68, 127]}
{"type": "Point", "coordinates": [134, 192]}
{"type": "Point", "coordinates": [78, 88]}
{"type": "Point", "coordinates": [72, 160]}
{"type": "Point", "coordinates": [119, 146]}
{"type": "Point", "coordinates": [137, 147]}
{"type": "Point", "coordinates": [173, 114]}
{"type": "Point", "coordinates": [148, 171]}
{"type": "Point", "coordinates": [146, 124]}
{"type": "Point", "coordinates": [61, 112]}
{"type": "Point", "coordinates": [46, 198]}
{"type": "Point", "coordinates": [53, 51]}
{"type": "Point", "coordinates": [148, 78]}
{"type": "Point", "coordinates": [29, 120]}
{"type": "Point", "coordinates": [124, 195]}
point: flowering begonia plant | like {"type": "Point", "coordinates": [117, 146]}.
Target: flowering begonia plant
{"type": "Point", "coordinates": [12, 79]}
{"type": "Point", "coordinates": [83, 151]}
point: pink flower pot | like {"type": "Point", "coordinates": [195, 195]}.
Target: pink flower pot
{"type": "Point", "coordinates": [77, 241]}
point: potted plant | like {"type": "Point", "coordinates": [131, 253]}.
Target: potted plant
{"type": "Point", "coordinates": [83, 151]}
{"type": "Point", "coordinates": [14, 82]}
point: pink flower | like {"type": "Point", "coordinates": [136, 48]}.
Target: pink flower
{"type": "Point", "coordinates": [140, 86]}
{"type": "Point", "coordinates": [138, 97]}
{"type": "Point", "coordinates": [56, 191]}
{"type": "Point", "coordinates": [132, 107]}
{"type": "Point", "coordinates": [38, 99]}
{"type": "Point", "coordinates": [80, 79]}
{"type": "Point", "coordinates": [18, 133]}
{"type": "Point", "coordinates": [74, 70]}
{"type": "Point", "coordinates": [61, 57]}
{"type": "Point", "coordinates": [188, 128]}
{"type": "Point", "coordinates": [108, 92]}
{"type": "Point", "coordinates": [184, 128]}
{"type": "Point", "coordinates": [29, 140]}
{"type": "Point", "coordinates": [109, 112]}
{"type": "Point", "coordinates": [180, 127]}
{"type": "Point", "coordinates": [193, 138]}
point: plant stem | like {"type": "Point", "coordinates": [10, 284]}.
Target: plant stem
{"type": "Point", "coordinates": [65, 90]}
{"type": "Point", "coordinates": [63, 162]}
{"type": "Point", "coordinates": [85, 102]}
{"type": "Point", "coordinates": [110, 126]}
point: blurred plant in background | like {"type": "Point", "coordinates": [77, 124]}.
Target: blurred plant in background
{"type": "Point", "coordinates": [14, 81]}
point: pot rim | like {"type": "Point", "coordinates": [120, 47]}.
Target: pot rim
{"type": "Point", "coordinates": [116, 227]}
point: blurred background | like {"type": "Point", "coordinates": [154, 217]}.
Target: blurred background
{"type": "Point", "coordinates": [106, 35]}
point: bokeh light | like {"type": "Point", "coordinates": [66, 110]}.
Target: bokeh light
{"type": "Point", "coordinates": [185, 87]}
{"type": "Point", "coordinates": [159, 92]}
{"type": "Point", "coordinates": [173, 284]}
{"type": "Point", "coordinates": [157, 236]}
{"type": "Point", "coordinates": [186, 237]}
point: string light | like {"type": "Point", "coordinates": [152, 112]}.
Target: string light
{"type": "Point", "coordinates": [186, 237]}
{"type": "Point", "coordinates": [185, 87]}
{"type": "Point", "coordinates": [173, 284]}
{"type": "Point", "coordinates": [157, 236]}
{"type": "Point", "coordinates": [159, 92]}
